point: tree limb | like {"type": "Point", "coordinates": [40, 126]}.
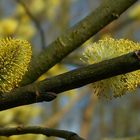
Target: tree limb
{"type": "Point", "coordinates": [39, 130]}
{"type": "Point", "coordinates": [48, 89]}
{"type": "Point", "coordinates": [75, 36]}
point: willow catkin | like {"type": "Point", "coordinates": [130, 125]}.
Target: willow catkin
{"type": "Point", "coordinates": [15, 55]}
{"type": "Point", "coordinates": [108, 48]}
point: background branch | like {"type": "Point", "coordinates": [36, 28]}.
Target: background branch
{"type": "Point", "coordinates": [75, 36]}
{"type": "Point", "coordinates": [48, 89]}
{"type": "Point", "coordinates": [39, 130]}
{"type": "Point", "coordinates": [36, 23]}
{"type": "Point", "coordinates": [59, 115]}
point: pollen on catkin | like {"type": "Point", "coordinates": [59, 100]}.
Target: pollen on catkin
{"type": "Point", "coordinates": [15, 55]}
{"type": "Point", "coordinates": [108, 48]}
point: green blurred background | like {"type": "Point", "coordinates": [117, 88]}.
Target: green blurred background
{"type": "Point", "coordinates": [76, 110]}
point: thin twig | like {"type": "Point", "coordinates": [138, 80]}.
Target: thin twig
{"type": "Point", "coordinates": [35, 21]}
{"type": "Point", "coordinates": [87, 116]}
{"type": "Point", "coordinates": [58, 116]}
{"type": "Point", "coordinates": [10, 131]}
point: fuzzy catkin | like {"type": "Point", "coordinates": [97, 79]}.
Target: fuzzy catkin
{"type": "Point", "coordinates": [108, 48]}
{"type": "Point", "coordinates": [15, 55]}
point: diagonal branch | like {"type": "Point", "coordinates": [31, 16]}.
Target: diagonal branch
{"type": "Point", "coordinates": [75, 36]}
{"type": "Point", "coordinates": [68, 135]}
{"type": "Point", "coordinates": [48, 89]}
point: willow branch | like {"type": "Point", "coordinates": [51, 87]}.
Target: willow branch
{"type": "Point", "coordinates": [48, 89]}
{"type": "Point", "coordinates": [36, 23]}
{"type": "Point", "coordinates": [39, 130]}
{"type": "Point", "coordinates": [75, 36]}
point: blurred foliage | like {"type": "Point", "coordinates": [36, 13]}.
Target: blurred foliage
{"type": "Point", "coordinates": [97, 118]}
{"type": "Point", "coordinates": [8, 26]}
{"type": "Point", "coordinates": [20, 116]}
{"type": "Point", "coordinates": [135, 12]}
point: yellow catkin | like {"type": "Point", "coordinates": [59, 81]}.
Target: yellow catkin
{"type": "Point", "coordinates": [108, 48]}
{"type": "Point", "coordinates": [15, 55]}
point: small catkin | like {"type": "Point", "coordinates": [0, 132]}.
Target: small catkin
{"type": "Point", "coordinates": [108, 48]}
{"type": "Point", "coordinates": [15, 55]}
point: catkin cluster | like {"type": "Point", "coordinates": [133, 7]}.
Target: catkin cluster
{"type": "Point", "coordinates": [108, 48]}
{"type": "Point", "coordinates": [15, 55]}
